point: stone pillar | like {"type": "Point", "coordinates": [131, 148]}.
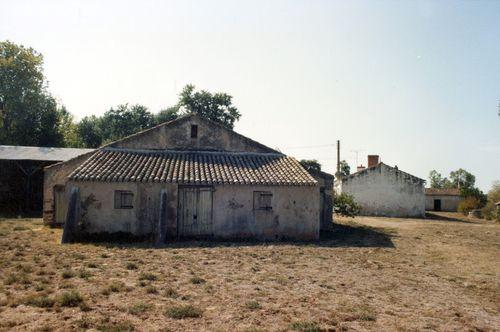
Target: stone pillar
{"type": "Point", "coordinates": [72, 216]}
{"type": "Point", "coordinates": [162, 221]}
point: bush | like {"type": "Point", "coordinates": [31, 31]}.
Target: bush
{"type": "Point", "coordinates": [184, 311]}
{"type": "Point", "coordinates": [345, 205]}
{"type": "Point", "coordinates": [40, 301]}
{"type": "Point", "coordinates": [468, 204]}
{"type": "Point", "coordinates": [70, 299]}
{"type": "Point", "coordinates": [490, 211]}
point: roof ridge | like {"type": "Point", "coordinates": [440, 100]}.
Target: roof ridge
{"type": "Point", "coordinates": [151, 151]}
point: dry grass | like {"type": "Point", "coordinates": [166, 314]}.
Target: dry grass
{"type": "Point", "coordinates": [370, 274]}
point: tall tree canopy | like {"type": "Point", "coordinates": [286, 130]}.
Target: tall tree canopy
{"type": "Point", "coordinates": [217, 107]}
{"type": "Point", "coordinates": [311, 165]}
{"type": "Point", "coordinates": [460, 179]}
{"type": "Point", "coordinates": [345, 169]}
{"type": "Point", "coordinates": [30, 115]}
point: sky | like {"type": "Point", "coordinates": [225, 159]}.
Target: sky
{"type": "Point", "coordinates": [416, 82]}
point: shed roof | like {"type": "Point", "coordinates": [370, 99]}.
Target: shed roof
{"type": "Point", "coordinates": [11, 152]}
{"type": "Point", "coordinates": [442, 191]}
{"type": "Point", "coordinates": [192, 167]}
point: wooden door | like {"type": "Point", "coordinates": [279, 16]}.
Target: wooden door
{"type": "Point", "coordinates": [59, 211]}
{"type": "Point", "coordinates": [195, 212]}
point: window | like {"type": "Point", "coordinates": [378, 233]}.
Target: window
{"type": "Point", "coordinates": [124, 199]}
{"type": "Point", "coordinates": [194, 131]}
{"type": "Point", "coordinates": [262, 200]}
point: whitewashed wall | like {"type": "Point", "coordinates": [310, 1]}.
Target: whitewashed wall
{"type": "Point", "coordinates": [386, 191]}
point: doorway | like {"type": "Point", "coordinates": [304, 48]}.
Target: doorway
{"type": "Point", "coordinates": [59, 211]}
{"type": "Point", "coordinates": [195, 212]}
{"type": "Point", "coordinates": [437, 205]}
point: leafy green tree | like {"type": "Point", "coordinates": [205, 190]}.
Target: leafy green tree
{"type": "Point", "coordinates": [476, 193]}
{"type": "Point", "coordinates": [123, 120]}
{"type": "Point", "coordinates": [345, 169]}
{"type": "Point", "coordinates": [30, 114]}
{"type": "Point", "coordinates": [490, 210]}
{"type": "Point", "coordinates": [89, 132]}
{"type": "Point", "coordinates": [311, 165]}
{"type": "Point", "coordinates": [167, 114]}
{"type": "Point", "coordinates": [345, 205]}
{"type": "Point", "coordinates": [437, 181]}
{"type": "Point", "coordinates": [462, 179]}
{"type": "Point", "coordinates": [217, 107]}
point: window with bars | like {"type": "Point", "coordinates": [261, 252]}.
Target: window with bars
{"type": "Point", "coordinates": [124, 199]}
{"type": "Point", "coordinates": [262, 200]}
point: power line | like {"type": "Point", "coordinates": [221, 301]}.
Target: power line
{"type": "Point", "coordinates": [310, 146]}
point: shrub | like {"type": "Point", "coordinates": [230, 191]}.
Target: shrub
{"type": "Point", "coordinates": [468, 204]}
{"type": "Point", "coordinates": [151, 289]}
{"type": "Point", "coordinates": [172, 293]}
{"type": "Point", "coordinates": [39, 301]}
{"type": "Point", "coordinates": [253, 305]}
{"type": "Point", "coordinates": [197, 280]}
{"type": "Point", "coordinates": [345, 205]}
{"type": "Point", "coordinates": [305, 326]}
{"type": "Point", "coordinates": [131, 266]}
{"type": "Point", "coordinates": [184, 311]}
{"type": "Point", "coordinates": [84, 274]}
{"type": "Point", "coordinates": [490, 211]}
{"type": "Point", "coordinates": [67, 274]}
{"type": "Point", "coordinates": [147, 276]}
{"type": "Point", "coordinates": [139, 308]}
{"type": "Point", "coordinates": [70, 299]}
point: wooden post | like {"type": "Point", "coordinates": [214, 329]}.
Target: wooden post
{"type": "Point", "coordinates": [72, 216]}
{"type": "Point", "coordinates": [162, 222]}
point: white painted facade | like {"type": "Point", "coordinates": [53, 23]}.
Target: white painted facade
{"type": "Point", "coordinates": [383, 190]}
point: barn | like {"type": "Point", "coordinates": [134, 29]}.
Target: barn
{"type": "Point", "coordinates": [383, 190]}
{"type": "Point", "coordinates": [187, 178]}
{"type": "Point", "coordinates": [442, 199]}
{"type": "Point", "coordinates": [21, 176]}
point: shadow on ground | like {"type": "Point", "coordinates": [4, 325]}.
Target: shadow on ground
{"type": "Point", "coordinates": [441, 217]}
{"type": "Point", "coordinates": [342, 235]}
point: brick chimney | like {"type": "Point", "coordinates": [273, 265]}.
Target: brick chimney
{"type": "Point", "coordinates": [373, 160]}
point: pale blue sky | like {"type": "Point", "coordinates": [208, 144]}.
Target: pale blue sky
{"type": "Point", "coordinates": [417, 82]}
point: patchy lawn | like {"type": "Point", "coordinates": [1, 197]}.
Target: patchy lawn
{"type": "Point", "coordinates": [370, 274]}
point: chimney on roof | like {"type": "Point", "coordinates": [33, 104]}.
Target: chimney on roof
{"type": "Point", "coordinates": [373, 160]}
{"type": "Point", "coordinates": [360, 168]}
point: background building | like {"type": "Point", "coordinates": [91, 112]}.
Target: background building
{"type": "Point", "coordinates": [382, 190]}
{"type": "Point", "coordinates": [442, 199]}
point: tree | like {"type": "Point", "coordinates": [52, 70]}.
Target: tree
{"type": "Point", "coordinates": [345, 169]}
{"type": "Point", "coordinates": [490, 210]}
{"type": "Point", "coordinates": [123, 121]}
{"type": "Point", "coordinates": [462, 179]}
{"type": "Point", "coordinates": [345, 205]}
{"type": "Point", "coordinates": [437, 181]}
{"type": "Point", "coordinates": [217, 107]}
{"type": "Point", "coordinates": [167, 114]}
{"type": "Point", "coordinates": [311, 165]}
{"type": "Point", "coordinates": [89, 132]}
{"type": "Point", "coordinates": [31, 115]}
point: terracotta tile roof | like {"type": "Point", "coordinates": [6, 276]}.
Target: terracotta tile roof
{"type": "Point", "coordinates": [443, 191]}
{"type": "Point", "coordinates": [192, 167]}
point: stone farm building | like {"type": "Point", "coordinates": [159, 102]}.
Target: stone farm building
{"type": "Point", "coordinates": [442, 199]}
{"type": "Point", "coordinates": [382, 190]}
{"type": "Point", "coordinates": [187, 178]}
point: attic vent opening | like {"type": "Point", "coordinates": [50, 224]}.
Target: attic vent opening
{"type": "Point", "coordinates": [194, 131]}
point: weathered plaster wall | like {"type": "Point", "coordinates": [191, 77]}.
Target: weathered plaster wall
{"type": "Point", "coordinates": [384, 191]}
{"type": "Point", "coordinates": [325, 182]}
{"type": "Point", "coordinates": [178, 136]}
{"type": "Point", "coordinates": [295, 213]}
{"type": "Point", "coordinates": [99, 214]}
{"type": "Point", "coordinates": [448, 203]}
{"type": "Point", "coordinates": [57, 175]}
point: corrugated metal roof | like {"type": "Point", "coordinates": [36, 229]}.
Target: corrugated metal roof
{"type": "Point", "coordinates": [10, 152]}
{"type": "Point", "coordinates": [193, 167]}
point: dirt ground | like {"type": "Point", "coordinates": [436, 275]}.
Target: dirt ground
{"type": "Point", "coordinates": [381, 274]}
